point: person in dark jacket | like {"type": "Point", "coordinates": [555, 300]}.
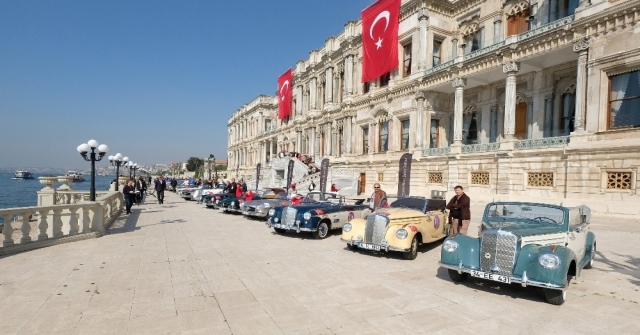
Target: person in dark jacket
{"type": "Point", "coordinates": [174, 184]}
{"type": "Point", "coordinates": [459, 211]}
{"type": "Point", "coordinates": [129, 193]}
{"type": "Point", "coordinates": [141, 188]}
{"type": "Point", "coordinates": [160, 186]}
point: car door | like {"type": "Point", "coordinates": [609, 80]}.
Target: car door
{"type": "Point", "coordinates": [577, 239]}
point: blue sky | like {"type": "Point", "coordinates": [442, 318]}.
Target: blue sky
{"type": "Point", "coordinates": [154, 80]}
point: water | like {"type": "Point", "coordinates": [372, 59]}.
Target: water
{"type": "Point", "coordinates": [22, 193]}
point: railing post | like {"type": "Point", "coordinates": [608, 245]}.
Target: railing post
{"type": "Point", "coordinates": [86, 220]}
{"type": "Point", "coordinates": [43, 225]}
{"type": "Point", "coordinates": [57, 223]}
{"type": "Point", "coordinates": [7, 231]}
{"type": "Point", "coordinates": [73, 221]}
{"type": "Point", "coordinates": [97, 222]}
{"type": "Point", "coordinates": [26, 228]}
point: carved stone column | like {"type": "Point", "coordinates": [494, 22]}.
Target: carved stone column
{"type": "Point", "coordinates": [372, 138]}
{"type": "Point", "coordinates": [582, 48]}
{"type": "Point", "coordinates": [419, 122]}
{"type": "Point", "coordinates": [348, 125]}
{"type": "Point", "coordinates": [427, 123]}
{"type": "Point", "coordinates": [298, 141]}
{"type": "Point", "coordinates": [328, 136]}
{"type": "Point", "coordinates": [497, 29]}
{"type": "Point", "coordinates": [423, 16]}
{"type": "Point", "coordinates": [454, 48]}
{"type": "Point", "coordinates": [348, 74]}
{"type": "Point", "coordinates": [459, 84]}
{"type": "Point", "coordinates": [529, 118]}
{"type": "Point", "coordinates": [329, 88]}
{"type": "Point", "coordinates": [299, 100]}
{"type": "Point", "coordinates": [313, 90]}
{"type": "Point", "coordinates": [548, 114]}
{"type": "Point", "coordinates": [511, 69]}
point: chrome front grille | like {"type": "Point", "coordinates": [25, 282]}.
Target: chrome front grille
{"type": "Point", "coordinates": [250, 209]}
{"type": "Point", "coordinates": [498, 252]}
{"type": "Point", "coordinates": [375, 229]}
{"type": "Point", "coordinates": [289, 216]}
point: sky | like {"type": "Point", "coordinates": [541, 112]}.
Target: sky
{"type": "Point", "coordinates": [154, 80]}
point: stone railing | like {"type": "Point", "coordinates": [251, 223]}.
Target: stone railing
{"type": "Point", "coordinates": [436, 151]}
{"type": "Point", "coordinates": [55, 224]}
{"type": "Point", "coordinates": [545, 28]}
{"type": "Point", "coordinates": [73, 197]}
{"type": "Point", "coordinates": [484, 51]}
{"type": "Point", "coordinates": [540, 143]}
{"type": "Point", "coordinates": [477, 148]}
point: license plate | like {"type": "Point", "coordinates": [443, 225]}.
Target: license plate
{"type": "Point", "coordinates": [221, 209]}
{"type": "Point", "coordinates": [369, 246]}
{"type": "Point", "coordinates": [491, 276]}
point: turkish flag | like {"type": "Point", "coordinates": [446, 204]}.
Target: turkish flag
{"type": "Point", "coordinates": [380, 38]}
{"type": "Point", "coordinates": [285, 83]}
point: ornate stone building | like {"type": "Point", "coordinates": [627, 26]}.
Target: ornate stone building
{"type": "Point", "coordinates": [513, 99]}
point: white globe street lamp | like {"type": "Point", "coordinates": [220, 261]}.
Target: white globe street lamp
{"type": "Point", "coordinates": [90, 149]}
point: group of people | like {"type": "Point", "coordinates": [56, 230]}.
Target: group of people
{"type": "Point", "coordinates": [459, 208]}
{"type": "Point", "coordinates": [312, 187]}
{"type": "Point", "coordinates": [135, 190]}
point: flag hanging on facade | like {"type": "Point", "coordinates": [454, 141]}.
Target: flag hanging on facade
{"type": "Point", "coordinates": [284, 94]}
{"type": "Point", "coordinates": [380, 38]}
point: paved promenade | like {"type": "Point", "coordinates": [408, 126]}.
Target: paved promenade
{"type": "Point", "coordinates": [184, 269]}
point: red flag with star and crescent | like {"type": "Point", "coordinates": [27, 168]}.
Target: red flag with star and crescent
{"type": "Point", "coordinates": [285, 83]}
{"type": "Point", "coordinates": [380, 38]}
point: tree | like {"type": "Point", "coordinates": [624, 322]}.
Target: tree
{"type": "Point", "coordinates": [194, 163]}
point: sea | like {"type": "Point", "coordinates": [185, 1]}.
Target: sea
{"type": "Point", "coordinates": [22, 193]}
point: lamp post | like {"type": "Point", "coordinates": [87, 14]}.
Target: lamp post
{"type": "Point", "coordinates": [130, 167]}
{"type": "Point", "coordinates": [135, 167]}
{"type": "Point", "coordinates": [117, 161]}
{"type": "Point", "coordinates": [84, 149]}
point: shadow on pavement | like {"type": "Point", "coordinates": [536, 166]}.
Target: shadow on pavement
{"type": "Point", "coordinates": [631, 265]}
{"type": "Point", "coordinates": [126, 223]}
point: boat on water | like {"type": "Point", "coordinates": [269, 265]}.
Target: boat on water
{"type": "Point", "coordinates": [77, 176]}
{"type": "Point", "coordinates": [22, 175]}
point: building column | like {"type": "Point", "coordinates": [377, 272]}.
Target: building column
{"type": "Point", "coordinates": [454, 49]}
{"type": "Point", "coordinates": [298, 141]}
{"type": "Point", "coordinates": [313, 90]}
{"type": "Point", "coordinates": [582, 48]}
{"type": "Point", "coordinates": [529, 118]}
{"type": "Point", "coordinates": [511, 69]}
{"type": "Point", "coordinates": [548, 114]}
{"type": "Point", "coordinates": [329, 134]}
{"type": "Point", "coordinates": [372, 137]}
{"type": "Point", "coordinates": [300, 100]}
{"type": "Point", "coordinates": [312, 141]}
{"type": "Point", "coordinates": [347, 128]}
{"type": "Point", "coordinates": [459, 84]}
{"type": "Point", "coordinates": [497, 29]}
{"type": "Point", "coordinates": [423, 16]}
{"type": "Point", "coordinates": [348, 74]}
{"type": "Point", "coordinates": [419, 122]}
{"type": "Point", "coordinates": [329, 88]}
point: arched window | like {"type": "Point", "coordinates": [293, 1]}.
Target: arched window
{"type": "Point", "coordinates": [567, 110]}
{"type": "Point", "coordinates": [383, 143]}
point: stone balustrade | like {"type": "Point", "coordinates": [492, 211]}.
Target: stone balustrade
{"type": "Point", "coordinates": [70, 219]}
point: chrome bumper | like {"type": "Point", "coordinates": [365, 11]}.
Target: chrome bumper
{"type": "Point", "coordinates": [295, 226]}
{"type": "Point", "coordinates": [383, 247]}
{"type": "Point", "coordinates": [258, 214]}
{"type": "Point", "coordinates": [524, 280]}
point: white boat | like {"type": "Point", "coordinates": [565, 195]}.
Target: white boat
{"type": "Point", "coordinates": [77, 176]}
{"type": "Point", "coordinates": [22, 175]}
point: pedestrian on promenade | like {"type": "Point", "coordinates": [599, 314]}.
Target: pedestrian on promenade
{"type": "Point", "coordinates": [244, 186]}
{"type": "Point", "coordinates": [129, 193]}
{"type": "Point", "coordinates": [160, 186]}
{"type": "Point", "coordinates": [174, 184]}
{"type": "Point", "coordinates": [459, 211]}
{"type": "Point", "coordinates": [141, 188]}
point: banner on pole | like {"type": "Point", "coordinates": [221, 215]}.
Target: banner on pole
{"type": "Point", "coordinates": [324, 173]}
{"type": "Point", "coordinates": [289, 174]}
{"type": "Point", "coordinates": [258, 175]}
{"type": "Point", "coordinates": [404, 175]}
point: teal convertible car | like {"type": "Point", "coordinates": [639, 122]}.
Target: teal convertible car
{"type": "Point", "coordinates": [531, 244]}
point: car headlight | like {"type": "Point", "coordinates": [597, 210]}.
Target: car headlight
{"type": "Point", "coordinates": [272, 212]}
{"type": "Point", "coordinates": [233, 203]}
{"type": "Point", "coordinates": [347, 227]}
{"type": "Point", "coordinates": [307, 216]}
{"type": "Point", "coordinates": [450, 245]}
{"type": "Point", "coordinates": [402, 233]}
{"type": "Point", "coordinates": [549, 261]}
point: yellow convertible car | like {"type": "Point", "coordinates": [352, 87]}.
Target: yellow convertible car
{"type": "Point", "coordinates": [399, 224]}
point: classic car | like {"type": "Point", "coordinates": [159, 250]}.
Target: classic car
{"type": "Point", "coordinates": [399, 224]}
{"type": "Point", "coordinates": [260, 208]}
{"type": "Point", "coordinates": [232, 204]}
{"type": "Point", "coordinates": [531, 244]}
{"type": "Point", "coordinates": [199, 193]}
{"type": "Point", "coordinates": [212, 201]}
{"type": "Point", "coordinates": [318, 213]}
{"type": "Point", "coordinates": [188, 193]}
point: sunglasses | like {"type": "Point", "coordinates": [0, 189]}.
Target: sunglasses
{"type": "Point", "coordinates": [376, 187]}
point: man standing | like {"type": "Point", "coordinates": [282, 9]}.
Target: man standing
{"type": "Point", "coordinates": [129, 193]}
{"type": "Point", "coordinates": [374, 201]}
{"type": "Point", "coordinates": [459, 211]}
{"type": "Point", "coordinates": [160, 186]}
{"type": "Point", "coordinates": [174, 184]}
{"type": "Point", "coordinates": [312, 186]}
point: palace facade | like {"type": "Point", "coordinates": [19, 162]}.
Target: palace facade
{"type": "Point", "coordinates": [512, 99]}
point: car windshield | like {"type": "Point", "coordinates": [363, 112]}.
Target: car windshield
{"type": "Point", "coordinates": [282, 196]}
{"type": "Point", "coordinates": [527, 212]}
{"type": "Point", "coordinates": [321, 197]}
{"type": "Point", "coordinates": [414, 203]}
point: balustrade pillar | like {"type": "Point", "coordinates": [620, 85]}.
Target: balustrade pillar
{"type": "Point", "coordinates": [86, 220]}
{"type": "Point", "coordinates": [7, 231]}
{"type": "Point", "coordinates": [419, 122]}
{"type": "Point", "coordinates": [57, 223]}
{"type": "Point", "coordinates": [26, 227]}
{"type": "Point", "coordinates": [459, 84]}
{"type": "Point", "coordinates": [423, 16]}
{"type": "Point", "coordinates": [73, 221]}
{"type": "Point", "coordinates": [511, 69]}
{"type": "Point", "coordinates": [582, 48]}
{"type": "Point", "coordinates": [43, 226]}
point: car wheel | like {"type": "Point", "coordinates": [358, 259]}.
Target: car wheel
{"type": "Point", "coordinates": [280, 230]}
{"type": "Point", "coordinates": [589, 264]}
{"type": "Point", "coordinates": [413, 251]}
{"type": "Point", "coordinates": [352, 247]}
{"type": "Point", "coordinates": [322, 232]}
{"type": "Point", "coordinates": [455, 276]}
{"type": "Point", "coordinates": [557, 297]}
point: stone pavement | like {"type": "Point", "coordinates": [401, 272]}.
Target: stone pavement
{"type": "Point", "coordinates": [184, 269]}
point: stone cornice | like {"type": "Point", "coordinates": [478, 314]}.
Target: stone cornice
{"type": "Point", "coordinates": [609, 19]}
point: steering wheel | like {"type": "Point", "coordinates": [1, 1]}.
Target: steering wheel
{"type": "Point", "coordinates": [544, 218]}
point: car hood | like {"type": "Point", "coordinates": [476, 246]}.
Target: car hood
{"type": "Point", "coordinates": [311, 206]}
{"type": "Point", "coordinates": [525, 228]}
{"type": "Point", "coordinates": [398, 213]}
{"type": "Point", "coordinates": [272, 202]}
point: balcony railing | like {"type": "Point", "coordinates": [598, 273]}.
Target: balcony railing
{"type": "Point", "coordinates": [541, 143]}
{"type": "Point", "coordinates": [436, 151]}
{"type": "Point", "coordinates": [547, 27]}
{"type": "Point", "coordinates": [484, 147]}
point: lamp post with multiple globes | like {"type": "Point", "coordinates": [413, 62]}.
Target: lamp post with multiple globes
{"type": "Point", "coordinates": [90, 149]}
{"type": "Point", "coordinates": [135, 167]}
{"type": "Point", "coordinates": [117, 160]}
